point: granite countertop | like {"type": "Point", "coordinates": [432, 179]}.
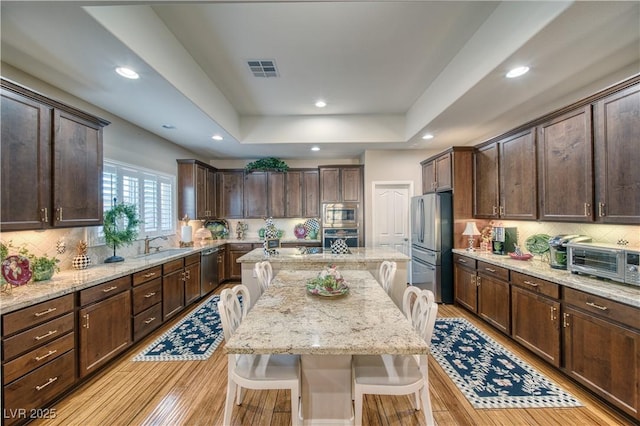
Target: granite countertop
{"type": "Point", "coordinates": [358, 254]}
{"type": "Point", "coordinates": [627, 294]}
{"type": "Point", "coordinates": [288, 320]}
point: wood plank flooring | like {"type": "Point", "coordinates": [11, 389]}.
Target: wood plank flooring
{"type": "Point", "coordinates": [193, 393]}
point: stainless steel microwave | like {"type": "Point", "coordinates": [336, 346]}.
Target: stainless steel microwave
{"type": "Point", "coordinates": [602, 260]}
{"type": "Point", "coordinates": [340, 215]}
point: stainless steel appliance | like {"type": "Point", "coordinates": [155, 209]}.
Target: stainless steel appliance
{"type": "Point", "coordinates": [558, 249]}
{"type": "Point", "coordinates": [602, 260]}
{"type": "Point", "coordinates": [431, 244]}
{"type": "Point", "coordinates": [208, 270]}
{"type": "Point", "coordinates": [505, 240]}
{"type": "Point", "coordinates": [340, 215]}
{"type": "Point", "coordinates": [349, 235]}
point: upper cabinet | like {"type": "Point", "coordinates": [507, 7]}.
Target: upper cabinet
{"type": "Point", "coordinates": [281, 194]}
{"type": "Point", "coordinates": [256, 185]}
{"type": "Point", "coordinates": [617, 157]}
{"type": "Point", "coordinates": [341, 184]}
{"type": "Point", "coordinates": [505, 178]}
{"type": "Point", "coordinates": [231, 193]}
{"type": "Point", "coordinates": [436, 174]}
{"type": "Point", "coordinates": [565, 167]}
{"type": "Point", "coordinates": [51, 157]}
{"type": "Point", "coordinates": [196, 190]}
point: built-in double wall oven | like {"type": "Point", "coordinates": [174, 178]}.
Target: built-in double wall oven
{"type": "Point", "coordinates": [340, 222]}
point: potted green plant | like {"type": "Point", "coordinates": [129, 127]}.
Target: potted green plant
{"type": "Point", "coordinates": [267, 164]}
{"type": "Point", "coordinates": [120, 227]}
{"type": "Point", "coordinates": [43, 267]}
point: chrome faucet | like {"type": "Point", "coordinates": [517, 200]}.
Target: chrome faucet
{"type": "Point", "coordinates": [147, 240]}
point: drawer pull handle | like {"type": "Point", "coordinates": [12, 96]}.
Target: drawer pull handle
{"type": "Point", "coordinates": [146, 296]}
{"type": "Point", "coordinates": [48, 311]}
{"type": "Point", "coordinates": [59, 214]}
{"type": "Point", "coordinates": [593, 305]}
{"type": "Point", "coordinates": [45, 215]}
{"type": "Point", "coordinates": [587, 209]}
{"type": "Point", "coordinates": [150, 320]}
{"type": "Point", "coordinates": [86, 324]}
{"type": "Point", "coordinates": [149, 274]}
{"type": "Point", "coordinates": [601, 212]}
{"type": "Point", "coordinates": [462, 261]}
{"type": "Point", "coordinates": [553, 313]}
{"type": "Point", "coordinates": [478, 281]}
{"type": "Point", "coordinates": [47, 355]}
{"type": "Point", "coordinates": [490, 269]}
{"type": "Point", "coordinates": [107, 290]}
{"type": "Point", "coordinates": [531, 284]}
{"type": "Point", "coordinates": [51, 380]}
{"type": "Point", "coordinates": [565, 320]}
{"type": "Point", "coordinates": [49, 333]}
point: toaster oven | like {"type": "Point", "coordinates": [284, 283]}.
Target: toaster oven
{"type": "Point", "coordinates": [602, 260]}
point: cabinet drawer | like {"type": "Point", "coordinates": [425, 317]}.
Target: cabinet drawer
{"type": "Point", "coordinates": [147, 275]}
{"type": "Point", "coordinates": [37, 336]}
{"type": "Point", "coordinates": [172, 266]}
{"type": "Point", "coordinates": [464, 261]}
{"type": "Point", "coordinates": [240, 246]}
{"type": "Point", "coordinates": [36, 314]}
{"type": "Point", "coordinates": [602, 307]}
{"type": "Point", "coordinates": [536, 285]}
{"type": "Point", "coordinates": [191, 259]}
{"type": "Point", "coordinates": [147, 295]}
{"type": "Point", "coordinates": [147, 321]}
{"type": "Point", "coordinates": [37, 358]}
{"type": "Point", "coordinates": [493, 270]}
{"type": "Point", "coordinates": [102, 291]}
{"type": "Point", "coordinates": [40, 386]}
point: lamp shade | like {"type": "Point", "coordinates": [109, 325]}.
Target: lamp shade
{"type": "Point", "coordinates": [471, 229]}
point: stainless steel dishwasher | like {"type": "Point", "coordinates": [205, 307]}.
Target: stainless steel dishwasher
{"type": "Point", "coordinates": [208, 271]}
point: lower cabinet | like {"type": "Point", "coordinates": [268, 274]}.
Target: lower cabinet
{"type": "Point", "coordinates": [494, 295]}
{"type": "Point", "coordinates": [223, 270]}
{"type": "Point", "coordinates": [172, 288]}
{"type": "Point", "coordinates": [465, 282]}
{"type": "Point", "coordinates": [602, 348]}
{"type": "Point", "coordinates": [234, 251]}
{"type": "Point", "coordinates": [146, 301]}
{"type": "Point", "coordinates": [191, 278]}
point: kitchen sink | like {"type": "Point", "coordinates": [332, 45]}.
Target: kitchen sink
{"type": "Point", "coordinates": [164, 252]}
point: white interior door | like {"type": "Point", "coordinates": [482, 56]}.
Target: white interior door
{"type": "Point", "coordinates": [390, 215]}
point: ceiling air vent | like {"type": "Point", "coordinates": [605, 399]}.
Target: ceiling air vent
{"type": "Point", "coordinates": [263, 68]}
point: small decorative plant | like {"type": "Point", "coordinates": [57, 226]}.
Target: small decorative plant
{"type": "Point", "coordinates": [120, 227]}
{"type": "Point", "coordinates": [43, 267]}
{"type": "Point", "coordinates": [264, 164]}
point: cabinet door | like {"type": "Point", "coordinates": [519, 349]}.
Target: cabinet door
{"type": "Point", "coordinates": [604, 357]}
{"type": "Point", "coordinates": [26, 163]}
{"type": "Point", "coordinates": [223, 273]}
{"type": "Point", "coordinates": [428, 177]}
{"type": "Point", "coordinates": [493, 302]}
{"type": "Point", "coordinates": [211, 194]}
{"type": "Point", "coordinates": [172, 294]}
{"type": "Point", "coordinates": [311, 191]}
{"type": "Point", "coordinates": [617, 155]}
{"type": "Point", "coordinates": [234, 252]}
{"type": "Point", "coordinates": [294, 194]}
{"type": "Point", "coordinates": [202, 205]}
{"type": "Point", "coordinates": [231, 184]}
{"type": "Point", "coordinates": [255, 195]}
{"type": "Point", "coordinates": [77, 171]}
{"type": "Point", "coordinates": [329, 185]}
{"type": "Point", "coordinates": [466, 291]}
{"type": "Point", "coordinates": [565, 165]}
{"type": "Point", "coordinates": [535, 323]}
{"type": "Point", "coordinates": [351, 184]}
{"type": "Point", "coordinates": [518, 197]}
{"type": "Point", "coordinates": [485, 182]}
{"type": "Point", "coordinates": [105, 331]}
{"type": "Point", "coordinates": [443, 172]}
{"type": "Point", "coordinates": [276, 206]}
{"type": "Point", "coordinates": [191, 282]}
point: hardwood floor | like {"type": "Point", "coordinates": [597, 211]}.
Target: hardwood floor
{"type": "Point", "coordinates": [193, 393]}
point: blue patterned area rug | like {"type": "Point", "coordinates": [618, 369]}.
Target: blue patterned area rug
{"type": "Point", "coordinates": [194, 338]}
{"type": "Point", "coordinates": [488, 374]}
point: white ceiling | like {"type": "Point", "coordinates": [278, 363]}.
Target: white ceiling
{"type": "Point", "coordinates": [389, 70]}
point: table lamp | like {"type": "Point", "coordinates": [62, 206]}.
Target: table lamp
{"type": "Point", "coordinates": [470, 230]}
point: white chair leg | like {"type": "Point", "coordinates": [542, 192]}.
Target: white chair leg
{"type": "Point", "coordinates": [426, 406]}
{"type": "Point", "coordinates": [239, 394]}
{"type": "Point", "coordinates": [416, 403]}
{"type": "Point", "coordinates": [295, 400]}
{"type": "Point", "coordinates": [228, 405]}
{"type": "Point", "coordinates": [357, 421]}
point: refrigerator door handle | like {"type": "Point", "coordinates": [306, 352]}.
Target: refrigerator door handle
{"type": "Point", "coordinates": [422, 220]}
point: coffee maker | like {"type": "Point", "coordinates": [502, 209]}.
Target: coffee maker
{"type": "Point", "coordinates": [558, 249]}
{"type": "Point", "coordinates": [504, 240]}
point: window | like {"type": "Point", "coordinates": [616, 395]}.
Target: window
{"type": "Point", "coordinates": [152, 192]}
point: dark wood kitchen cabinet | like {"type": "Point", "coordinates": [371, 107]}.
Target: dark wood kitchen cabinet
{"type": "Point", "coordinates": [505, 178]}
{"type": "Point", "coordinates": [341, 184]}
{"type": "Point", "coordinates": [494, 296]}
{"type": "Point", "coordinates": [602, 347]}
{"type": "Point", "coordinates": [51, 149]}
{"type": "Point", "coordinates": [301, 193]}
{"type": "Point", "coordinates": [436, 174]}
{"type": "Point", "coordinates": [231, 193]}
{"type": "Point", "coordinates": [256, 193]}
{"type": "Point", "coordinates": [465, 282]}
{"type": "Point", "coordinates": [234, 251]}
{"type": "Point", "coordinates": [196, 190]}
{"type": "Point", "coordinates": [310, 193]}
{"type": "Point", "coordinates": [617, 156]}
{"type": "Point", "coordinates": [565, 167]}
{"type": "Point", "coordinates": [172, 288]}
{"type": "Point", "coordinates": [535, 316]}
{"type": "Point", "coordinates": [223, 270]}
{"type": "Point", "coordinates": [278, 193]}
{"type": "Point", "coordinates": [146, 301]}
{"type": "Point", "coordinates": [191, 278]}
{"type": "Point", "coordinates": [104, 323]}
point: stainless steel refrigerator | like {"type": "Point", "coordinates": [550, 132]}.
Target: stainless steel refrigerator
{"type": "Point", "coordinates": [431, 244]}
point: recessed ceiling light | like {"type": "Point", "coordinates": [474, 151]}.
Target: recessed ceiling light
{"type": "Point", "coordinates": [216, 137]}
{"type": "Point", "coordinates": [517, 72]}
{"type": "Point", "coordinates": [427, 136]}
{"type": "Point", "coordinates": [315, 148]}
{"type": "Point", "coordinates": [127, 73]}
{"type": "Point", "coordinates": [321, 104]}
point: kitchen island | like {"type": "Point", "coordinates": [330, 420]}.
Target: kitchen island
{"type": "Point", "coordinates": [361, 258]}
